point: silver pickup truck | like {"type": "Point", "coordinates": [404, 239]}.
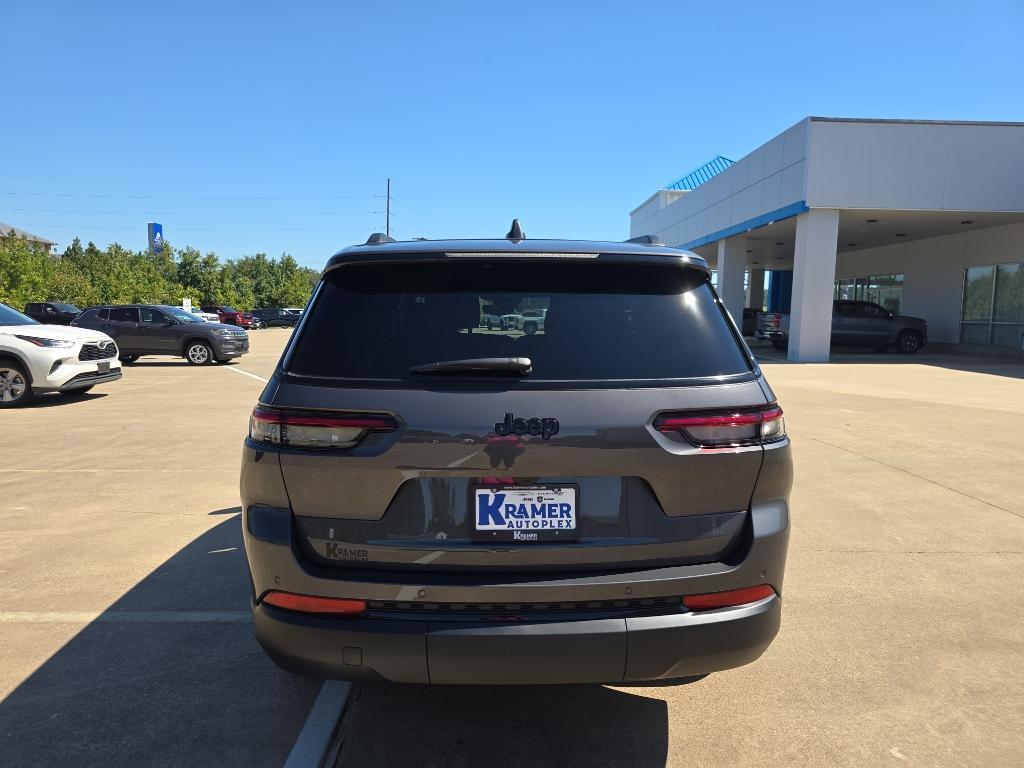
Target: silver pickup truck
{"type": "Point", "coordinates": [855, 323]}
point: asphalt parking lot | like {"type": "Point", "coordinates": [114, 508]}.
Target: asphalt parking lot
{"type": "Point", "coordinates": [126, 639]}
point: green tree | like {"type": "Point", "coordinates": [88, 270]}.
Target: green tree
{"type": "Point", "coordinates": [85, 275]}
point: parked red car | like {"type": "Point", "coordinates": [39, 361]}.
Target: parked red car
{"type": "Point", "coordinates": [230, 316]}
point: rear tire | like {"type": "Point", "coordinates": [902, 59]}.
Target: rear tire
{"type": "Point", "coordinates": [529, 328]}
{"type": "Point", "coordinates": [15, 385]}
{"type": "Point", "coordinates": [128, 359]}
{"type": "Point", "coordinates": [198, 353]}
{"type": "Point", "coordinates": [908, 342]}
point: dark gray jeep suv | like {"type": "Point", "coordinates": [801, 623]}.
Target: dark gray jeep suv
{"type": "Point", "coordinates": [428, 500]}
{"type": "Point", "coordinates": [157, 329]}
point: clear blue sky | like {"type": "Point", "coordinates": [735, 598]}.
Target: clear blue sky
{"type": "Point", "coordinates": [272, 126]}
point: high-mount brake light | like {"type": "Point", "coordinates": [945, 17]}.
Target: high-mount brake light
{"type": "Point", "coordinates": [745, 426]}
{"type": "Point", "coordinates": [337, 606]}
{"type": "Point", "coordinates": [315, 430]}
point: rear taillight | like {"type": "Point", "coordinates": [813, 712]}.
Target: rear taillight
{"type": "Point", "coordinates": [745, 426]}
{"type": "Point", "coordinates": [728, 599]}
{"type": "Point", "coordinates": [298, 429]}
{"type": "Point", "coordinates": [337, 606]}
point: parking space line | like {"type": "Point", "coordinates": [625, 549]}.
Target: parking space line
{"type": "Point", "coordinates": [463, 460]}
{"type": "Point", "coordinates": [314, 741]}
{"type": "Point", "coordinates": [244, 373]}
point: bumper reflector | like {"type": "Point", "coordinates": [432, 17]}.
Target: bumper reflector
{"type": "Point", "coordinates": [337, 606]}
{"type": "Point", "coordinates": [728, 599]}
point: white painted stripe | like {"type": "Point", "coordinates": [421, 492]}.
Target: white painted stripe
{"type": "Point", "coordinates": [429, 558]}
{"type": "Point", "coordinates": [463, 460]}
{"type": "Point", "coordinates": [314, 742]}
{"type": "Point", "coordinates": [124, 617]}
{"type": "Point", "coordinates": [244, 373]}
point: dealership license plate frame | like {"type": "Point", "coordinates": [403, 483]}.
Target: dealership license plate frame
{"type": "Point", "coordinates": [544, 536]}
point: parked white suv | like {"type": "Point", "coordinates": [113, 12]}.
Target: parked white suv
{"type": "Point", "coordinates": [38, 358]}
{"type": "Point", "coordinates": [529, 321]}
{"type": "Point", "coordinates": [208, 317]}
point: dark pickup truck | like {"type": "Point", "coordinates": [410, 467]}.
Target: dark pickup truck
{"type": "Point", "coordinates": [52, 312]}
{"type": "Point", "coordinates": [855, 323]}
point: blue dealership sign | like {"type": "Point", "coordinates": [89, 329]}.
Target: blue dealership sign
{"type": "Point", "coordinates": [156, 237]}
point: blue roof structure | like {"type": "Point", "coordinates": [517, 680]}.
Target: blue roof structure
{"type": "Point", "coordinates": [698, 176]}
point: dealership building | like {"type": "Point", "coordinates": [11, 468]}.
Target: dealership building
{"type": "Point", "coordinates": [925, 218]}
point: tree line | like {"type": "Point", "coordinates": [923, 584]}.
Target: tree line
{"type": "Point", "coordinates": [87, 275]}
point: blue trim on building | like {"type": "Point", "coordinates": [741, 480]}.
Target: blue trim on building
{"type": "Point", "coordinates": [780, 290]}
{"type": "Point", "coordinates": [786, 212]}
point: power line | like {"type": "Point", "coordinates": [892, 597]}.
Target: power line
{"type": "Point", "coordinates": [197, 229]}
{"type": "Point", "coordinates": [190, 197]}
{"type": "Point", "coordinates": [194, 213]}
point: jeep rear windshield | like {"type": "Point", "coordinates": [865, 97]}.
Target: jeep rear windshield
{"type": "Point", "coordinates": [576, 322]}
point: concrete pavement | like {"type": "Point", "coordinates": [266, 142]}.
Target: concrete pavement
{"type": "Point", "coordinates": [123, 622]}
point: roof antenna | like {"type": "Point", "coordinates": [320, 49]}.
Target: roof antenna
{"type": "Point", "coordinates": [515, 234]}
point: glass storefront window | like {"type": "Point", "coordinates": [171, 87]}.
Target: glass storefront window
{"type": "Point", "coordinates": [993, 308]}
{"type": "Point", "coordinates": [978, 294]}
{"type": "Point", "coordinates": [1008, 305]}
{"type": "Point", "coordinates": [886, 290]}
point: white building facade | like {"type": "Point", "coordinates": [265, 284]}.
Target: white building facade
{"type": "Point", "coordinates": [924, 217]}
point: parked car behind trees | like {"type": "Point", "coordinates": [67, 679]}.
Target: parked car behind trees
{"type": "Point", "coordinates": [52, 312]}
{"type": "Point", "coordinates": [278, 318]}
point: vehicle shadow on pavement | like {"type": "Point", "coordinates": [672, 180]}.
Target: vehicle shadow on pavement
{"type": "Point", "coordinates": [226, 511]}
{"type": "Point", "coordinates": [54, 400]}
{"type": "Point", "coordinates": [573, 725]}
{"type": "Point", "coordinates": [170, 674]}
{"type": "Point", "coordinates": [144, 363]}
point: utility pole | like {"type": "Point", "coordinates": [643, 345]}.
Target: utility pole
{"type": "Point", "coordinates": [387, 224]}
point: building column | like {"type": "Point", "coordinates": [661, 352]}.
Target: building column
{"type": "Point", "coordinates": [755, 289]}
{"type": "Point", "coordinates": [732, 263]}
{"type": "Point", "coordinates": [814, 275]}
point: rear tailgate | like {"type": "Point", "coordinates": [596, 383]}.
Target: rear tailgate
{"type": "Point", "coordinates": [617, 350]}
{"type": "Point", "coordinates": [643, 498]}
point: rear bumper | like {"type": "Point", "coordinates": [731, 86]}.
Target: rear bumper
{"type": "Point", "coordinates": [617, 650]}
{"type": "Point", "coordinates": [430, 648]}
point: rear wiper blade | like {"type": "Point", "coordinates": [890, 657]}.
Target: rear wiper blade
{"type": "Point", "coordinates": [512, 366]}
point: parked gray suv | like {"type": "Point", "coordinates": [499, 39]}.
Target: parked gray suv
{"type": "Point", "coordinates": [431, 501]}
{"type": "Point", "coordinates": [158, 329]}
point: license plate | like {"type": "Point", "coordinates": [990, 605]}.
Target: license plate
{"type": "Point", "coordinates": [525, 513]}
{"type": "Point", "coordinates": [103, 367]}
